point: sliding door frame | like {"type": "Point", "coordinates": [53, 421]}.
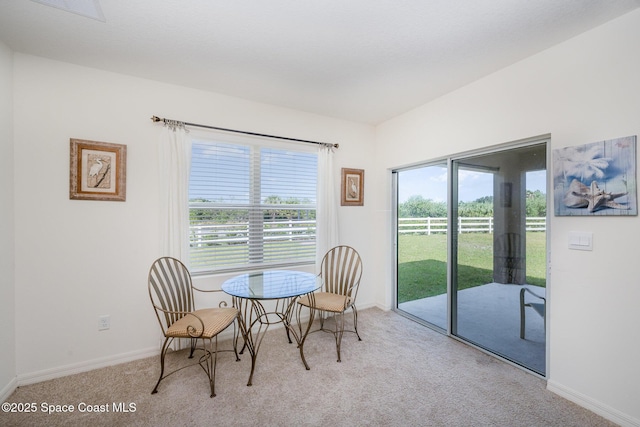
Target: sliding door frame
{"type": "Point", "coordinates": [452, 182]}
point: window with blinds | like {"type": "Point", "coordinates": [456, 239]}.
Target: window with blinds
{"type": "Point", "coordinates": [251, 206]}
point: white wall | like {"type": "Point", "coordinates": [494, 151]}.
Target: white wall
{"type": "Point", "coordinates": [7, 313]}
{"type": "Point", "coordinates": [76, 260]}
{"type": "Point", "coordinates": [584, 90]}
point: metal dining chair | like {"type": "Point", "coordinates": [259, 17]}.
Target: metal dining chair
{"type": "Point", "coordinates": [340, 273]}
{"type": "Point", "coordinates": [539, 305]}
{"type": "Point", "coordinates": [171, 294]}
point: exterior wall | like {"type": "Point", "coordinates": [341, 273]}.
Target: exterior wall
{"type": "Point", "coordinates": [584, 90]}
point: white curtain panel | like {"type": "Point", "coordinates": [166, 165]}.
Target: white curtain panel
{"type": "Point", "coordinates": [327, 232]}
{"type": "Point", "coordinates": [175, 166]}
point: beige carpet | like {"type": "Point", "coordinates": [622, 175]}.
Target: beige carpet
{"type": "Point", "coordinates": [401, 374]}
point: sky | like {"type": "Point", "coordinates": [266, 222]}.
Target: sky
{"type": "Point", "coordinates": [292, 174]}
{"type": "Point", "coordinates": [431, 183]}
{"type": "Point", "coordinates": [222, 172]}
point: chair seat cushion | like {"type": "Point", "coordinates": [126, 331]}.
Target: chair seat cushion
{"type": "Point", "coordinates": [215, 320]}
{"type": "Point", "coordinates": [327, 301]}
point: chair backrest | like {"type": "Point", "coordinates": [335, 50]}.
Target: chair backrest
{"type": "Point", "coordinates": [341, 270]}
{"type": "Point", "coordinates": [170, 290]}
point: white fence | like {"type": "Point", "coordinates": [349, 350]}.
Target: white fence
{"type": "Point", "coordinates": [290, 230]}
{"type": "Point", "coordinates": [465, 225]}
{"type": "Point", "coordinates": [285, 230]}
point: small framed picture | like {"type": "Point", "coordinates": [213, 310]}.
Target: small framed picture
{"type": "Point", "coordinates": [352, 188]}
{"type": "Point", "coordinates": [97, 171]}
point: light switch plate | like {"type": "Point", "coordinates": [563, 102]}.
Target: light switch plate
{"type": "Point", "coordinates": [581, 240]}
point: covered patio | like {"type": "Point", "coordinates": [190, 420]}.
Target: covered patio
{"type": "Point", "coordinates": [489, 317]}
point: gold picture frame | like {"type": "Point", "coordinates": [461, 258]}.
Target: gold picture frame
{"type": "Point", "coordinates": [98, 171]}
{"type": "Point", "coordinates": [352, 187]}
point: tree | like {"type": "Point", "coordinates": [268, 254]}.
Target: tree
{"type": "Point", "coordinates": [419, 207]}
{"type": "Point", "coordinates": [536, 203]}
{"type": "Point", "coordinates": [287, 211]}
{"type": "Point", "coordinates": [482, 207]}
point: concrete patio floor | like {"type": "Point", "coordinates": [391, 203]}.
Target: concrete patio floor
{"type": "Point", "coordinates": [489, 317]}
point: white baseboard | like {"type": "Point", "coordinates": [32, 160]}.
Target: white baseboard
{"type": "Point", "coordinates": [76, 368]}
{"type": "Point", "coordinates": [89, 365]}
{"type": "Point", "coordinates": [8, 389]}
{"type": "Point", "coordinates": [594, 406]}
{"type": "Point", "coordinates": [380, 306]}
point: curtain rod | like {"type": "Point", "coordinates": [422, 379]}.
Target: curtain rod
{"type": "Point", "coordinates": [327, 144]}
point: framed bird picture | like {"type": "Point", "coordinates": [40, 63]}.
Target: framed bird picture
{"type": "Point", "coordinates": [352, 188]}
{"type": "Point", "coordinates": [596, 179]}
{"type": "Point", "coordinates": [97, 171]}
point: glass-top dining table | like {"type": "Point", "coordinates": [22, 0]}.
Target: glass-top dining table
{"type": "Point", "coordinates": [284, 287]}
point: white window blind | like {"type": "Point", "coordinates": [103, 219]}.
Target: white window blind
{"type": "Point", "coordinates": [251, 206]}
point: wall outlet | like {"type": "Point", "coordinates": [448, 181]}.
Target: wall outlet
{"type": "Point", "coordinates": [104, 322]}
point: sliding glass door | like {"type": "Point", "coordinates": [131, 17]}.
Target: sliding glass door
{"type": "Point", "coordinates": [471, 244]}
{"type": "Point", "coordinates": [422, 243]}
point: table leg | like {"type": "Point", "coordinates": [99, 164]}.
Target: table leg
{"type": "Point", "coordinates": [252, 312]}
{"type": "Point", "coordinates": [254, 321]}
{"type": "Point", "coordinates": [299, 332]}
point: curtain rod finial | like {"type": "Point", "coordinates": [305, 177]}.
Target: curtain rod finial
{"type": "Point", "coordinates": [156, 119]}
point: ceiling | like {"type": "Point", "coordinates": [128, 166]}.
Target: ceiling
{"type": "Point", "coordinates": [359, 60]}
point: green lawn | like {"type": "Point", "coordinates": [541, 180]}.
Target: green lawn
{"type": "Point", "coordinates": [422, 263]}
